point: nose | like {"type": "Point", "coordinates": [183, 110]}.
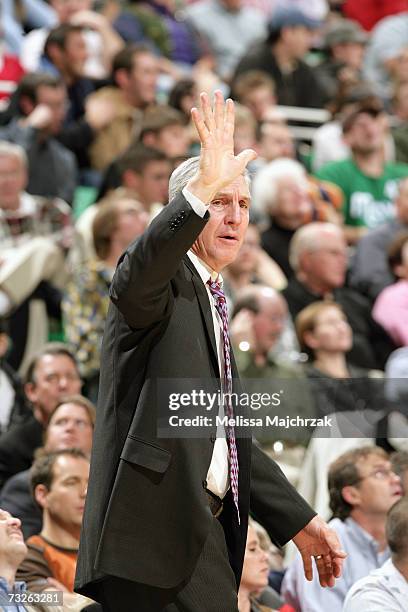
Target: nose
{"type": "Point", "coordinates": [15, 522]}
{"type": "Point", "coordinates": [233, 215]}
{"type": "Point", "coordinates": [395, 478]}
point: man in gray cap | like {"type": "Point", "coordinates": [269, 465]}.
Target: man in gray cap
{"type": "Point", "coordinates": [344, 43]}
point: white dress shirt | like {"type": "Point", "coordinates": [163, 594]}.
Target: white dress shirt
{"type": "Point", "coordinates": [218, 472]}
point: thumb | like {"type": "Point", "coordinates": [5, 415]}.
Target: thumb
{"type": "Point", "coordinates": [246, 156]}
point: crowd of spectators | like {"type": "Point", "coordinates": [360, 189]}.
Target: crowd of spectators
{"type": "Point", "coordinates": [95, 100]}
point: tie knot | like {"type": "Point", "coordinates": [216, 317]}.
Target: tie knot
{"type": "Point", "coordinates": [216, 290]}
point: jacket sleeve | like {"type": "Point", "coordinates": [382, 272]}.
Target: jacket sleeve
{"type": "Point", "coordinates": [141, 285]}
{"type": "Point", "coordinates": [274, 502]}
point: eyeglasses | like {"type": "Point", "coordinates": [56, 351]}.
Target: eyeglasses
{"type": "Point", "coordinates": [380, 474]}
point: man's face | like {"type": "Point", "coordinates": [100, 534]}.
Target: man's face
{"type": "Point", "coordinates": [56, 100]}
{"type": "Point", "coordinates": [379, 488]}
{"type": "Point", "coordinates": [325, 265]}
{"type": "Point", "coordinates": [349, 53]}
{"type": "Point", "coordinates": [276, 141]}
{"type": "Point", "coordinates": [173, 141]}
{"type": "Point", "coordinates": [142, 80]}
{"type": "Point", "coordinates": [65, 9]}
{"type": "Point", "coordinates": [219, 242]}
{"type": "Point", "coordinates": [65, 499]}
{"type": "Point", "coordinates": [366, 135]}
{"type": "Point", "coordinates": [69, 427]}
{"type": "Point", "coordinates": [132, 222]}
{"type": "Point", "coordinates": [293, 205]}
{"type": "Point", "coordinates": [269, 322]}
{"type": "Point", "coordinates": [402, 202]}
{"type": "Point", "coordinates": [12, 547]}
{"type": "Point", "coordinates": [297, 40]}
{"type": "Point", "coordinates": [259, 100]}
{"type": "Point", "coordinates": [74, 55]}
{"type": "Point", "coordinates": [153, 183]}
{"type": "Point", "coordinates": [13, 179]}
{"type": "Point", "coordinates": [54, 377]}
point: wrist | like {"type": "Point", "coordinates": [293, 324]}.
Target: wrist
{"type": "Point", "coordinates": [201, 190]}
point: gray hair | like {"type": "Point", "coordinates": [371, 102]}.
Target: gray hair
{"type": "Point", "coordinates": [266, 182]}
{"type": "Point", "coordinates": [181, 176]}
{"type": "Point", "coordinates": [9, 149]}
{"type": "Point", "coordinates": [306, 238]}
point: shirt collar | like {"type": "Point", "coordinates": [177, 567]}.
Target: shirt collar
{"type": "Point", "coordinates": [205, 272]}
{"type": "Point", "coordinates": [362, 536]}
{"type": "Point", "coordinates": [18, 586]}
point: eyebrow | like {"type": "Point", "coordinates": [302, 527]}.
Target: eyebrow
{"type": "Point", "coordinates": [218, 196]}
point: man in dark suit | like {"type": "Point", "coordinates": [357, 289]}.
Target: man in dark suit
{"type": "Point", "coordinates": [161, 529]}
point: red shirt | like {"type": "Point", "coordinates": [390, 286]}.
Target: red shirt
{"type": "Point", "coordinates": [11, 72]}
{"type": "Point", "coordinates": [369, 12]}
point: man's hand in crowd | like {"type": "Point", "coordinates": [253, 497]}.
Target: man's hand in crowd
{"type": "Point", "coordinates": [40, 118]}
{"type": "Point", "coordinates": [218, 164]}
{"type": "Point", "coordinates": [318, 540]}
{"type": "Point", "coordinates": [99, 113]}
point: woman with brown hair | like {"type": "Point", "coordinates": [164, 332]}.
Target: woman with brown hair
{"type": "Point", "coordinates": [326, 337]}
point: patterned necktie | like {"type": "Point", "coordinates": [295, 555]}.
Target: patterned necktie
{"type": "Point", "coordinates": [221, 306]}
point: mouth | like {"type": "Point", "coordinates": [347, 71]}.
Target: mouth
{"type": "Point", "coordinates": [228, 238]}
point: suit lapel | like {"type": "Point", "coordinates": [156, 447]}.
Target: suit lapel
{"type": "Point", "coordinates": [205, 309]}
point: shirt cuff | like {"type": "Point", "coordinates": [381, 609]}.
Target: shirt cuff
{"type": "Point", "coordinates": [196, 204]}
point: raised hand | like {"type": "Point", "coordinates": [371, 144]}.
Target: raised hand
{"type": "Point", "coordinates": [218, 164]}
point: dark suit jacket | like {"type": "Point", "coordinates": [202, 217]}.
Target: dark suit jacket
{"type": "Point", "coordinates": [147, 516]}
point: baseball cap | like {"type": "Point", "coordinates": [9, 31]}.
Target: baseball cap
{"type": "Point", "coordinates": [344, 31]}
{"type": "Point", "coordinates": [291, 17]}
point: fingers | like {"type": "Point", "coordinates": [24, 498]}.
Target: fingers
{"type": "Point", "coordinates": [200, 126]}
{"type": "Point", "coordinates": [207, 112]}
{"type": "Point", "coordinates": [219, 110]}
{"type": "Point", "coordinates": [207, 120]}
{"type": "Point", "coordinates": [307, 565]}
{"type": "Point", "coordinates": [246, 156]}
{"type": "Point", "coordinates": [229, 123]}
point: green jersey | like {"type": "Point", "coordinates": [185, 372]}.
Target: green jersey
{"type": "Point", "coordinates": [368, 201]}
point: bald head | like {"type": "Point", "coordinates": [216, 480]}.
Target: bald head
{"type": "Point", "coordinates": [318, 255]}
{"type": "Point", "coordinates": [268, 311]}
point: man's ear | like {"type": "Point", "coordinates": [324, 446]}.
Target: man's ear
{"type": "Point", "coordinates": [122, 78]}
{"type": "Point", "coordinates": [26, 105]}
{"type": "Point", "coordinates": [40, 495]}
{"type": "Point", "coordinates": [131, 180]}
{"type": "Point", "coordinates": [30, 390]}
{"type": "Point", "coordinates": [351, 495]}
